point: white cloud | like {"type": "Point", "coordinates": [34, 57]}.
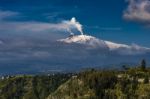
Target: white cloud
{"type": "Point", "coordinates": [110, 28]}
{"type": "Point", "coordinates": [10, 26]}
{"type": "Point", "coordinates": [105, 28]}
{"type": "Point", "coordinates": [31, 26]}
{"type": "Point", "coordinates": [7, 14]}
{"type": "Point", "coordinates": [138, 11]}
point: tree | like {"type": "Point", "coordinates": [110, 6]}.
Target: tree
{"type": "Point", "coordinates": [125, 67]}
{"type": "Point", "coordinates": [146, 80]}
{"type": "Point", "coordinates": [143, 64]}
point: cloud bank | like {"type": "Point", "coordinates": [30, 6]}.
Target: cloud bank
{"type": "Point", "coordinates": [138, 11]}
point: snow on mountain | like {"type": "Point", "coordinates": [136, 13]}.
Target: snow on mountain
{"type": "Point", "coordinates": [78, 39]}
{"type": "Point", "coordinates": [85, 39]}
{"type": "Point", "coordinates": [111, 46]}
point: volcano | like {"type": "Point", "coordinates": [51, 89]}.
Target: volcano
{"type": "Point", "coordinates": [94, 42]}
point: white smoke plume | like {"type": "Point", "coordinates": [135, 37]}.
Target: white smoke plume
{"type": "Point", "coordinates": [71, 33]}
{"type": "Point", "coordinates": [73, 24]}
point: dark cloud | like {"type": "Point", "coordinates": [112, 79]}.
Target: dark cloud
{"type": "Point", "coordinates": [32, 55]}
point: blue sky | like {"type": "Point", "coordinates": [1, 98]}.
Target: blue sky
{"type": "Point", "coordinates": [122, 21]}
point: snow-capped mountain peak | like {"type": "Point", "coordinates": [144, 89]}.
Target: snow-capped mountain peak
{"type": "Point", "coordinates": [90, 40]}
{"type": "Point", "coordinates": [77, 39]}
{"type": "Point", "coordinates": [84, 39]}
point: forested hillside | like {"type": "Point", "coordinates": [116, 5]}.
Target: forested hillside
{"type": "Point", "coordinates": [128, 83]}
{"type": "Point", "coordinates": [131, 84]}
{"type": "Point", "coordinates": [30, 87]}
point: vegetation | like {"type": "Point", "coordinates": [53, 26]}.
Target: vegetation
{"type": "Point", "coordinates": [129, 83]}
{"type": "Point", "coordinates": [30, 87]}
{"type": "Point", "coordinates": [104, 85]}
